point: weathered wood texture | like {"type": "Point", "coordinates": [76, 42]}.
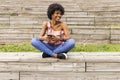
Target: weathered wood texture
{"type": "Point", "coordinates": [80, 34]}
{"type": "Point", "coordinates": [78, 66]}
{"type": "Point", "coordinates": [81, 13]}
{"type": "Point", "coordinates": [78, 12]}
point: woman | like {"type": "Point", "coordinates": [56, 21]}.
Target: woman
{"type": "Point", "coordinates": [54, 40]}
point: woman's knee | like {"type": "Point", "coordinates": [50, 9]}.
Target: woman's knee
{"type": "Point", "coordinates": [71, 42]}
{"type": "Point", "coordinates": [34, 40]}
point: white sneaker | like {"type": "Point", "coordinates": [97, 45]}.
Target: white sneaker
{"type": "Point", "coordinates": [62, 56]}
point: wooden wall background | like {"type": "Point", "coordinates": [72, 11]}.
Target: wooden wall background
{"type": "Point", "coordinates": [90, 21]}
{"type": "Point", "coordinates": [81, 35]}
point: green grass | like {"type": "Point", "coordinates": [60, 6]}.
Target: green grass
{"type": "Point", "coordinates": [22, 47]}
{"type": "Point", "coordinates": [97, 48]}
{"type": "Point", "coordinates": [27, 47]}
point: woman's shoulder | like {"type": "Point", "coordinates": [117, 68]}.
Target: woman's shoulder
{"type": "Point", "coordinates": [44, 25]}
{"type": "Point", "coordinates": [64, 24]}
{"type": "Point", "coordinates": [45, 22]}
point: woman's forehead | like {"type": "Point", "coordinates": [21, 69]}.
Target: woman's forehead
{"type": "Point", "coordinates": [57, 11]}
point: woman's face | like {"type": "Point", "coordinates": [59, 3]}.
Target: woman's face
{"type": "Point", "coordinates": [56, 16]}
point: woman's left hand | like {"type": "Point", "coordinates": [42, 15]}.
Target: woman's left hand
{"type": "Point", "coordinates": [56, 38]}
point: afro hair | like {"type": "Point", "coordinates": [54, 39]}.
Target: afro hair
{"type": "Point", "coordinates": [54, 7]}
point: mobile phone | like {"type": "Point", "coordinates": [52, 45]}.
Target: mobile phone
{"type": "Point", "coordinates": [49, 35]}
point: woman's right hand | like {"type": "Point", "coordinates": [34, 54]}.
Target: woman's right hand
{"type": "Point", "coordinates": [51, 40]}
{"type": "Point", "coordinates": [44, 38]}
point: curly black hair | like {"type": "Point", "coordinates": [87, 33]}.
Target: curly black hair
{"type": "Point", "coordinates": [54, 7]}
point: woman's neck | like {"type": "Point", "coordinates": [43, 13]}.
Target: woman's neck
{"type": "Point", "coordinates": [54, 22]}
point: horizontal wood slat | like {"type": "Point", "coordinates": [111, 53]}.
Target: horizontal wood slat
{"type": "Point", "coordinates": [78, 66]}
{"type": "Point", "coordinates": [80, 34]}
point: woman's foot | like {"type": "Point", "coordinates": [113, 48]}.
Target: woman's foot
{"type": "Point", "coordinates": [62, 56]}
{"type": "Point", "coordinates": [44, 55]}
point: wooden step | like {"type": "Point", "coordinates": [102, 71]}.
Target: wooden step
{"type": "Point", "coordinates": [81, 65]}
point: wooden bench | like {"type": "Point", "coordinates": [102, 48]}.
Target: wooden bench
{"type": "Point", "coordinates": [78, 66]}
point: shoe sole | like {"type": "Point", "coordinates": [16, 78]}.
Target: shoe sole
{"type": "Point", "coordinates": [65, 55]}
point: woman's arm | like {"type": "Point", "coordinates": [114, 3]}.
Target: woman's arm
{"type": "Point", "coordinates": [43, 31]}
{"type": "Point", "coordinates": [66, 31]}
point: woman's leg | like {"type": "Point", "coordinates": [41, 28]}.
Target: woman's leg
{"type": "Point", "coordinates": [44, 47]}
{"type": "Point", "coordinates": [65, 47]}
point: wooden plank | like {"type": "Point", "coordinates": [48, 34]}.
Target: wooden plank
{"type": "Point", "coordinates": [13, 35]}
{"type": "Point", "coordinates": [20, 26]}
{"type": "Point", "coordinates": [89, 31]}
{"type": "Point", "coordinates": [69, 76]}
{"type": "Point", "coordinates": [24, 20]}
{"type": "Point", "coordinates": [101, 58]}
{"type": "Point", "coordinates": [20, 30]}
{"type": "Point", "coordinates": [115, 37]}
{"type": "Point", "coordinates": [76, 13]}
{"type": "Point", "coordinates": [104, 67]}
{"type": "Point", "coordinates": [4, 20]}
{"type": "Point", "coordinates": [78, 57]}
{"type": "Point", "coordinates": [107, 20]}
{"type": "Point", "coordinates": [9, 75]}
{"type": "Point", "coordinates": [104, 13]}
{"type": "Point", "coordinates": [115, 41]}
{"type": "Point", "coordinates": [37, 57]}
{"type": "Point", "coordinates": [60, 66]}
{"type": "Point", "coordinates": [87, 41]}
{"type": "Point", "coordinates": [77, 23]}
{"type": "Point", "coordinates": [100, 53]}
{"type": "Point", "coordinates": [115, 31]}
{"type": "Point", "coordinates": [90, 37]}
{"type": "Point", "coordinates": [13, 41]}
